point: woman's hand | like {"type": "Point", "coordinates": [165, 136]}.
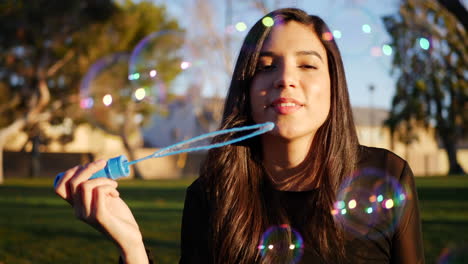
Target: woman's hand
{"type": "Point", "coordinates": [97, 203]}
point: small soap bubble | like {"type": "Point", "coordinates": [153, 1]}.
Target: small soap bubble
{"type": "Point", "coordinates": [370, 203]}
{"type": "Point", "coordinates": [105, 91]}
{"type": "Point", "coordinates": [281, 244]}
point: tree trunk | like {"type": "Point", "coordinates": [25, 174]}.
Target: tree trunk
{"type": "Point", "coordinates": [1, 165]}
{"type": "Point", "coordinates": [451, 150]}
{"type": "Point", "coordinates": [125, 130]}
{"type": "Point", "coordinates": [35, 169]}
{"type": "Point", "coordinates": [131, 156]}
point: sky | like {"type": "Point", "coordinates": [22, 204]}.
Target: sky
{"type": "Point", "coordinates": [361, 48]}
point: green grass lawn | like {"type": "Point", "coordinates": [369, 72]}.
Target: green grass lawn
{"type": "Point", "coordinates": [36, 226]}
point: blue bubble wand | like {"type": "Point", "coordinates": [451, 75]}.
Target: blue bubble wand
{"type": "Point", "coordinates": [118, 167]}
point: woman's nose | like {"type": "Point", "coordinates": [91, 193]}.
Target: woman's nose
{"type": "Point", "coordinates": [285, 78]}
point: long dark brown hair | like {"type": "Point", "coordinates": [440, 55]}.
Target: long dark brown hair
{"type": "Point", "coordinates": [234, 175]}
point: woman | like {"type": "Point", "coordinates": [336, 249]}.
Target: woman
{"type": "Point", "coordinates": [291, 74]}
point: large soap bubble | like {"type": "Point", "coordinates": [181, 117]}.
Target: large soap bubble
{"type": "Point", "coordinates": [371, 204]}
{"type": "Point", "coordinates": [105, 91]}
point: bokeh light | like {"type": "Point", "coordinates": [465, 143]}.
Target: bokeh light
{"type": "Point", "coordinates": [337, 34]}
{"type": "Point", "coordinates": [185, 65]}
{"type": "Point", "coordinates": [376, 51]}
{"type": "Point", "coordinates": [241, 26]}
{"type": "Point", "coordinates": [140, 94]}
{"type": "Point", "coordinates": [387, 50]}
{"type": "Point", "coordinates": [327, 36]}
{"type": "Point", "coordinates": [424, 43]}
{"type": "Point", "coordinates": [366, 28]}
{"type": "Point", "coordinates": [268, 21]}
{"type": "Point", "coordinates": [107, 99]}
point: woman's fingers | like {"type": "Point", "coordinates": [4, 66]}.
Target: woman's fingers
{"type": "Point", "coordinates": [72, 178]}
{"type": "Point", "coordinates": [84, 199]}
{"type": "Point", "coordinates": [101, 194]}
{"type": "Point", "coordinates": [61, 189]}
{"type": "Point", "coordinates": [83, 174]}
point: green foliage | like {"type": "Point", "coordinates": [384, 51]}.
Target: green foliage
{"type": "Point", "coordinates": [432, 88]}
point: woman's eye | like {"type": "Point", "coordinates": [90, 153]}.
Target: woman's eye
{"type": "Point", "coordinates": [307, 66]}
{"type": "Point", "coordinates": [266, 67]}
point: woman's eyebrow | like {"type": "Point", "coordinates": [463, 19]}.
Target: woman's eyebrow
{"type": "Point", "coordinates": [309, 52]}
{"type": "Point", "coordinates": [298, 53]}
{"type": "Point", "coordinates": [266, 54]}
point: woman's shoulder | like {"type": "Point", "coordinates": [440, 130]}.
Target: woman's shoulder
{"type": "Point", "coordinates": [381, 159]}
{"type": "Point", "coordinates": [196, 187]}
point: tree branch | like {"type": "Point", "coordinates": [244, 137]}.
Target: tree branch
{"type": "Point", "coordinates": [59, 64]}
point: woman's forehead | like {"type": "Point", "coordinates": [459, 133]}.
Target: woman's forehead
{"type": "Point", "coordinates": [293, 36]}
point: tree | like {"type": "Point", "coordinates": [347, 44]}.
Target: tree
{"type": "Point", "coordinates": [33, 48]}
{"type": "Point", "coordinates": [47, 46]}
{"type": "Point", "coordinates": [132, 25]}
{"type": "Point", "coordinates": [430, 60]}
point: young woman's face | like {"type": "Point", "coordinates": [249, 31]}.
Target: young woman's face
{"type": "Point", "coordinates": [292, 85]}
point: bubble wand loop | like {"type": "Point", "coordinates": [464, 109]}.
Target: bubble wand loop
{"type": "Point", "coordinates": [172, 150]}
{"type": "Point", "coordinates": [119, 166]}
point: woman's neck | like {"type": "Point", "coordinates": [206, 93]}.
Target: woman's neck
{"type": "Point", "coordinates": [285, 162]}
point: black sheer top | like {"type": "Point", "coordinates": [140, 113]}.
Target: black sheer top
{"type": "Point", "coordinates": [392, 237]}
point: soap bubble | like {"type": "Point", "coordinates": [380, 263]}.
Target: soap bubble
{"type": "Point", "coordinates": [371, 203]}
{"type": "Point", "coordinates": [355, 36]}
{"type": "Point", "coordinates": [281, 244]}
{"type": "Point", "coordinates": [154, 62]}
{"type": "Point", "coordinates": [105, 92]}
{"type": "Point", "coordinates": [454, 254]}
{"type": "Point", "coordinates": [163, 71]}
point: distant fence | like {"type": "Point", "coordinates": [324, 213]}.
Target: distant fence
{"type": "Point", "coordinates": [19, 164]}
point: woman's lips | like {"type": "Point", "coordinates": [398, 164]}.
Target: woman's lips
{"type": "Point", "coordinates": [285, 106]}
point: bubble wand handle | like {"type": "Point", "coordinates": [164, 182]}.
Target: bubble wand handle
{"type": "Point", "coordinates": [118, 167]}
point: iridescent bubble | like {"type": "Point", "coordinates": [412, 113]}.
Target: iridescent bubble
{"type": "Point", "coordinates": [281, 244]}
{"type": "Point", "coordinates": [105, 92]}
{"type": "Point", "coordinates": [371, 203]}
{"type": "Point", "coordinates": [453, 254]}
{"type": "Point", "coordinates": [355, 36]}
{"type": "Point", "coordinates": [154, 62]}
{"type": "Point", "coordinates": [178, 100]}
